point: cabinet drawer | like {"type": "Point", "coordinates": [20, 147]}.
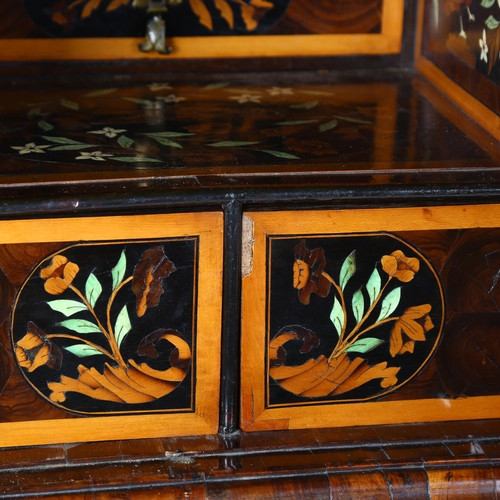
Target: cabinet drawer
{"type": "Point", "coordinates": [113, 318]}
{"type": "Point", "coordinates": [366, 317]}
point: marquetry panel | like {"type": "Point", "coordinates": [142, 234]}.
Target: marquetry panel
{"type": "Point", "coordinates": [363, 317]}
{"type": "Point", "coordinates": [114, 318]}
{"type": "Point", "coordinates": [199, 28]}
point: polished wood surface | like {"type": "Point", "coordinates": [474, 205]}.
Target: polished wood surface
{"type": "Point", "coordinates": [27, 420]}
{"type": "Point", "coordinates": [239, 131]}
{"type": "Point", "coordinates": [444, 460]}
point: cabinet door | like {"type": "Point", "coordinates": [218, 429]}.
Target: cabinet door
{"type": "Point", "coordinates": [113, 318]}
{"type": "Point", "coordinates": [365, 317]}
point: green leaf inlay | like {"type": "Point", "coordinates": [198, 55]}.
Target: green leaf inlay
{"type": "Point", "coordinates": [125, 142]}
{"type": "Point", "coordinates": [373, 286]}
{"type": "Point", "coordinates": [122, 326]}
{"type": "Point", "coordinates": [328, 126]}
{"type": "Point", "coordinates": [337, 316]}
{"type": "Point", "coordinates": [67, 307]}
{"type": "Point", "coordinates": [45, 126]}
{"type": "Point", "coordinates": [92, 289]}
{"type": "Point", "coordinates": [229, 144]}
{"type": "Point", "coordinates": [390, 303]}
{"type": "Point", "coordinates": [348, 269]}
{"type": "Point", "coordinates": [492, 23]}
{"type": "Point", "coordinates": [69, 104]}
{"type": "Point", "coordinates": [358, 305]}
{"type": "Point", "coordinates": [97, 93]}
{"type": "Point", "coordinates": [83, 350]}
{"type": "Point", "coordinates": [118, 272]}
{"type": "Point", "coordinates": [80, 326]}
{"type": "Point", "coordinates": [279, 154]}
{"type": "Point", "coordinates": [364, 345]}
{"type": "Point", "coordinates": [305, 105]}
{"type": "Point", "coordinates": [296, 122]}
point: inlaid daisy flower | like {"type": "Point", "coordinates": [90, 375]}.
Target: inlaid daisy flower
{"type": "Point", "coordinates": [246, 98]}
{"type": "Point", "coordinates": [108, 131]}
{"type": "Point", "coordinates": [31, 147]}
{"type": "Point", "coordinates": [280, 91]}
{"type": "Point", "coordinates": [94, 155]}
{"type": "Point", "coordinates": [155, 87]}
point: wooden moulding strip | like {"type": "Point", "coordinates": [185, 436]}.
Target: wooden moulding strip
{"type": "Point", "coordinates": [387, 42]}
{"type": "Point", "coordinates": [471, 106]}
{"type": "Point", "coordinates": [255, 415]}
{"type": "Point", "coordinates": [205, 418]}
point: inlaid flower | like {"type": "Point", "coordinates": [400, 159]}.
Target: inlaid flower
{"type": "Point", "coordinates": [58, 275]}
{"type": "Point", "coordinates": [35, 350]}
{"type": "Point", "coordinates": [280, 91]}
{"type": "Point", "coordinates": [155, 87]}
{"type": "Point", "coordinates": [108, 131]}
{"type": "Point", "coordinates": [483, 44]}
{"type": "Point", "coordinates": [397, 265]}
{"type": "Point", "coordinates": [149, 273]}
{"type": "Point", "coordinates": [409, 328]}
{"type": "Point", "coordinates": [94, 155]}
{"type": "Point", "coordinates": [31, 147]}
{"type": "Point", "coordinates": [462, 33]}
{"type": "Point", "coordinates": [246, 98]}
{"type": "Point", "coordinates": [172, 98]}
{"type": "Point", "coordinates": [308, 270]}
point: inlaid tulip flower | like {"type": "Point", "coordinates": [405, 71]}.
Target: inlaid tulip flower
{"type": "Point", "coordinates": [413, 324]}
{"type": "Point", "coordinates": [397, 265]}
{"type": "Point", "coordinates": [59, 275]}
{"type": "Point", "coordinates": [308, 272]}
{"type": "Point", "coordinates": [35, 350]}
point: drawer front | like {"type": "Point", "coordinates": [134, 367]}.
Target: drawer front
{"type": "Point", "coordinates": [114, 318]}
{"type": "Point", "coordinates": [365, 317]}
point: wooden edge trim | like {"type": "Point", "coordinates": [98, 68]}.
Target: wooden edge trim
{"type": "Point", "coordinates": [254, 414]}
{"type": "Point", "coordinates": [379, 413]}
{"type": "Point", "coordinates": [389, 41]}
{"type": "Point", "coordinates": [208, 226]}
{"type": "Point", "coordinates": [45, 432]}
{"type": "Point", "coordinates": [475, 109]}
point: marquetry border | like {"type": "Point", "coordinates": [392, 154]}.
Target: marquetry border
{"type": "Point", "coordinates": [474, 108]}
{"type": "Point", "coordinates": [255, 416]}
{"type": "Point", "coordinates": [208, 227]}
{"type": "Point", "coordinates": [387, 42]}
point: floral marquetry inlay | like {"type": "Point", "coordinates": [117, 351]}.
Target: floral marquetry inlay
{"type": "Point", "coordinates": [109, 328]}
{"type": "Point", "coordinates": [352, 319]}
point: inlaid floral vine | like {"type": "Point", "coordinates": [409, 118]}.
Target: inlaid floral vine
{"type": "Point", "coordinates": [162, 126]}
{"type": "Point", "coordinates": [87, 339]}
{"type": "Point", "coordinates": [471, 29]}
{"type": "Point", "coordinates": [376, 322]}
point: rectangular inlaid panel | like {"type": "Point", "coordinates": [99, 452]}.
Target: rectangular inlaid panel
{"type": "Point", "coordinates": [365, 317]}
{"type": "Point", "coordinates": [113, 318]}
{"type": "Point", "coordinates": [199, 28]}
